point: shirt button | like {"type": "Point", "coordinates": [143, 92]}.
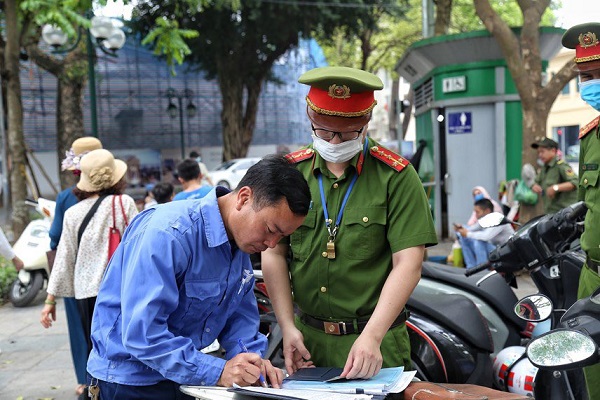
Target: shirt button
{"type": "Point", "coordinates": [203, 383]}
{"type": "Point", "coordinates": [585, 181]}
{"type": "Point", "coordinates": [324, 254]}
{"type": "Point", "coordinates": [207, 329]}
{"type": "Point", "coordinates": [365, 219]}
{"type": "Point", "coordinates": [111, 378]}
{"type": "Point", "coordinates": [323, 289]}
{"type": "Point", "coordinates": [335, 185]}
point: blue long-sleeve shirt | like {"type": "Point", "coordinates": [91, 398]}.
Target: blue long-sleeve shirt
{"type": "Point", "coordinates": [173, 286]}
{"type": "Point", "coordinates": [65, 200]}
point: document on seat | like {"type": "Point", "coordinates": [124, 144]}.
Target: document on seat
{"type": "Point", "coordinates": [300, 394]}
{"type": "Point", "coordinates": [388, 380]}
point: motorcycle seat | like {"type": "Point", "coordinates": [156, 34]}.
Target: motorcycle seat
{"type": "Point", "coordinates": [459, 314]}
{"type": "Point", "coordinates": [494, 290]}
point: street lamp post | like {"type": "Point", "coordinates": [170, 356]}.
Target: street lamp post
{"type": "Point", "coordinates": [173, 110]}
{"type": "Point", "coordinates": [109, 37]}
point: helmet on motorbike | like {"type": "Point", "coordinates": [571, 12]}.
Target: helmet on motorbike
{"type": "Point", "coordinates": [513, 371]}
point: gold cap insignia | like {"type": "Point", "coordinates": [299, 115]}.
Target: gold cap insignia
{"type": "Point", "coordinates": [588, 39]}
{"type": "Point", "coordinates": [339, 91]}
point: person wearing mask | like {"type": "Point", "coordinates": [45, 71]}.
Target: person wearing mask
{"type": "Point", "coordinates": [203, 170]}
{"type": "Point", "coordinates": [65, 200]}
{"type": "Point", "coordinates": [479, 192]}
{"type": "Point", "coordinates": [188, 174]}
{"type": "Point", "coordinates": [584, 39]}
{"type": "Point", "coordinates": [82, 253]}
{"type": "Point", "coordinates": [191, 260]}
{"type": "Point", "coordinates": [357, 257]}
{"type": "Point", "coordinates": [556, 181]}
{"type": "Point", "coordinates": [477, 241]}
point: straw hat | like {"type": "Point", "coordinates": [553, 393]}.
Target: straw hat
{"type": "Point", "coordinates": [78, 149]}
{"type": "Point", "coordinates": [100, 170]}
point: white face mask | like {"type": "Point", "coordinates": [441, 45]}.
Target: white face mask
{"type": "Point", "coordinates": [337, 153]}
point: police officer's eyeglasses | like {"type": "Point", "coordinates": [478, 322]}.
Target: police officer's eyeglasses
{"type": "Point", "coordinates": [328, 135]}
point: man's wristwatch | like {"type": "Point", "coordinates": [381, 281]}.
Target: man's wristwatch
{"type": "Point", "coordinates": [555, 188]}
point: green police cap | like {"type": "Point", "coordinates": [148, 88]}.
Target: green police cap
{"type": "Point", "coordinates": [584, 39]}
{"type": "Point", "coordinates": [341, 91]}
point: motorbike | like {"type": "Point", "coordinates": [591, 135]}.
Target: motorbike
{"type": "Point", "coordinates": [31, 248]}
{"type": "Point", "coordinates": [561, 353]}
{"type": "Point", "coordinates": [546, 248]}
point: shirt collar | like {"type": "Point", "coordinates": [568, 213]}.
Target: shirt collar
{"type": "Point", "coordinates": [214, 227]}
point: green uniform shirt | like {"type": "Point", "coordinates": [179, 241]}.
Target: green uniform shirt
{"type": "Point", "coordinates": [387, 211]}
{"type": "Point", "coordinates": [589, 190]}
{"type": "Point", "coordinates": [555, 172]}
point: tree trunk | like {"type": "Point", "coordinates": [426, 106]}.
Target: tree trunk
{"type": "Point", "coordinates": [18, 173]}
{"type": "Point", "coordinates": [253, 92]}
{"type": "Point", "coordinates": [231, 118]}
{"type": "Point", "coordinates": [443, 13]}
{"type": "Point", "coordinates": [69, 116]}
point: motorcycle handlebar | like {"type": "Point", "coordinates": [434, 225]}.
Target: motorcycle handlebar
{"type": "Point", "coordinates": [578, 210]}
{"type": "Point", "coordinates": [477, 268]}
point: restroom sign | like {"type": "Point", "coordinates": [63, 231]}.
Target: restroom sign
{"type": "Point", "coordinates": [460, 122]}
{"type": "Point", "coordinates": [454, 84]}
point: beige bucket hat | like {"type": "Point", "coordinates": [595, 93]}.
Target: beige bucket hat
{"type": "Point", "coordinates": [100, 170]}
{"type": "Point", "coordinates": [79, 148]}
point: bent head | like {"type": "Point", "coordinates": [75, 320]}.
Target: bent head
{"type": "Point", "coordinates": [272, 200]}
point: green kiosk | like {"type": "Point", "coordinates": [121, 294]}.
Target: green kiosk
{"type": "Point", "coordinates": [468, 111]}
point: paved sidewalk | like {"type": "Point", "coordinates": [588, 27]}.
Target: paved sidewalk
{"type": "Point", "coordinates": [35, 363]}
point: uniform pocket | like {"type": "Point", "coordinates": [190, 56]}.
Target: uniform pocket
{"type": "Point", "coordinates": [301, 239]}
{"type": "Point", "coordinates": [589, 180]}
{"type": "Point", "coordinates": [364, 232]}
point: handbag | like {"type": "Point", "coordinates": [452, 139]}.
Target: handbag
{"type": "Point", "coordinates": [524, 194]}
{"type": "Point", "coordinates": [114, 235]}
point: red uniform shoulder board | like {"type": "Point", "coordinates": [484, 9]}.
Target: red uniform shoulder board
{"type": "Point", "coordinates": [299, 155]}
{"type": "Point", "coordinates": [389, 157]}
{"type": "Point", "coordinates": [588, 128]}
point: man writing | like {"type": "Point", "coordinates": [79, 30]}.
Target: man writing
{"type": "Point", "coordinates": [556, 181]}
{"type": "Point", "coordinates": [584, 39]}
{"type": "Point", "coordinates": [477, 241]}
{"type": "Point", "coordinates": [182, 278]}
{"type": "Point", "coordinates": [357, 257]}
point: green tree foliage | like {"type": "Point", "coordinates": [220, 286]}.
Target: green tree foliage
{"type": "Point", "coordinates": [238, 47]}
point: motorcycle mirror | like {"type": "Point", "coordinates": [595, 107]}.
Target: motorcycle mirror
{"type": "Point", "coordinates": [535, 307]}
{"type": "Point", "coordinates": [562, 349]}
{"type": "Point", "coordinates": [492, 219]}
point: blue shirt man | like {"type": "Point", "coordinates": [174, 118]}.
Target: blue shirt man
{"type": "Point", "coordinates": [182, 278]}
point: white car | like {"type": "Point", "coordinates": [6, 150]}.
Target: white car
{"type": "Point", "coordinates": [230, 173]}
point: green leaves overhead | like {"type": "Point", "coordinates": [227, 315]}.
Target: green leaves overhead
{"type": "Point", "coordinates": [168, 40]}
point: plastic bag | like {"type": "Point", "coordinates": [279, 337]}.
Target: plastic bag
{"type": "Point", "coordinates": [524, 195]}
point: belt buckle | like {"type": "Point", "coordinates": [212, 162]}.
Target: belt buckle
{"type": "Point", "coordinates": [333, 328]}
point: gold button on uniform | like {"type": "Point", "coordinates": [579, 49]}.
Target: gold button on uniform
{"type": "Point", "coordinates": [335, 185]}
{"type": "Point", "coordinates": [323, 289]}
{"type": "Point", "coordinates": [365, 219]}
{"type": "Point", "coordinates": [585, 181]}
{"type": "Point", "coordinates": [324, 254]}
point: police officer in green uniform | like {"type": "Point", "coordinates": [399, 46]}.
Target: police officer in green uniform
{"type": "Point", "coordinates": [556, 181]}
{"type": "Point", "coordinates": [584, 39]}
{"type": "Point", "coordinates": [357, 257]}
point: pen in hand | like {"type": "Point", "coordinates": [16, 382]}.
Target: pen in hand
{"type": "Point", "coordinates": [261, 378]}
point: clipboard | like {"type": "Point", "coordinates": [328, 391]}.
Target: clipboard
{"type": "Point", "coordinates": [317, 374]}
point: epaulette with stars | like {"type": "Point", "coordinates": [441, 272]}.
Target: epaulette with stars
{"type": "Point", "coordinates": [589, 127]}
{"type": "Point", "coordinates": [300, 155]}
{"type": "Point", "coordinates": [389, 157]}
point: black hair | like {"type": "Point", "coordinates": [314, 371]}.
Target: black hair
{"type": "Point", "coordinates": [188, 169]}
{"type": "Point", "coordinates": [117, 188]}
{"type": "Point", "coordinates": [274, 178]}
{"type": "Point", "coordinates": [485, 204]}
{"type": "Point", "coordinates": [162, 192]}
{"type": "Point", "coordinates": [194, 154]}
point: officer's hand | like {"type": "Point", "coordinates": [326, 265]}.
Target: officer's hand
{"type": "Point", "coordinates": [364, 360]}
{"type": "Point", "coordinates": [550, 192]}
{"type": "Point", "coordinates": [536, 188]}
{"type": "Point", "coordinates": [243, 370]}
{"type": "Point", "coordinates": [294, 352]}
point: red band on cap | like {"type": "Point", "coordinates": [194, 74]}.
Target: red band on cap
{"type": "Point", "coordinates": [584, 54]}
{"type": "Point", "coordinates": [355, 105]}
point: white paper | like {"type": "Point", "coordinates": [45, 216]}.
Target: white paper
{"type": "Point", "coordinates": [306, 394]}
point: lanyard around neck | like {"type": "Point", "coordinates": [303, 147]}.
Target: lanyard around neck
{"type": "Point", "coordinates": [333, 230]}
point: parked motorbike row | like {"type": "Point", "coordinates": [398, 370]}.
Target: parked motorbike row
{"type": "Point", "coordinates": [464, 327]}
